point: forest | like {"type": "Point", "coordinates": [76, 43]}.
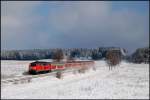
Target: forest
{"type": "Point", "coordinates": [139, 56]}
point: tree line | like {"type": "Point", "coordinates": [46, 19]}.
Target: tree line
{"type": "Point", "coordinates": [140, 55]}
{"type": "Point", "coordinates": [93, 53]}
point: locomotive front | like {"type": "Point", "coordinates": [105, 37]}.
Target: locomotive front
{"type": "Point", "coordinates": [32, 68]}
{"type": "Point", "coordinates": [37, 67]}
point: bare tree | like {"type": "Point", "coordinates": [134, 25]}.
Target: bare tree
{"type": "Point", "coordinates": [58, 55]}
{"type": "Point", "coordinates": [70, 58]}
{"type": "Point", "coordinates": [113, 58]}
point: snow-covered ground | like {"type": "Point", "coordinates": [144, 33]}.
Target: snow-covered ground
{"type": "Point", "coordinates": [127, 81]}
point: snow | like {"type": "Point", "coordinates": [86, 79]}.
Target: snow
{"type": "Point", "coordinates": [127, 81]}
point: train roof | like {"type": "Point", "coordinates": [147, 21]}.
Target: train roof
{"type": "Point", "coordinates": [57, 62]}
{"type": "Point", "coordinates": [44, 62]}
{"type": "Point", "coordinates": [40, 62]}
{"type": "Point", "coordinates": [80, 61]}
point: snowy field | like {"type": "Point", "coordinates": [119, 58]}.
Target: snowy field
{"type": "Point", "coordinates": [127, 81]}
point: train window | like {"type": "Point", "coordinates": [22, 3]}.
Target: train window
{"type": "Point", "coordinates": [67, 65]}
{"type": "Point", "coordinates": [44, 64]}
{"type": "Point", "coordinates": [33, 64]}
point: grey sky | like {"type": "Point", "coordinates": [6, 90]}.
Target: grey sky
{"type": "Point", "coordinates": [36, 24]}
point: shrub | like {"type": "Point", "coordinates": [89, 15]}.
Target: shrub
{"type": "Point", "coordinates": [83, 69]}
{"type": "Point", "coordinates": [59, 74]}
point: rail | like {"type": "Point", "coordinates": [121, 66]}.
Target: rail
{"type": "Point", "coordinates": [22, 79]}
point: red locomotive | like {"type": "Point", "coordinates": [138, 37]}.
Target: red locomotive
{"type": "Point", "coordinates": [40, 66]}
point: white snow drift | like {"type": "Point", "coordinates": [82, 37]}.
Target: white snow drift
{"type": "Point", "coordinates": [127, 81]}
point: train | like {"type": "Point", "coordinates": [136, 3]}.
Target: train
{"type": "Point", "coordinates": [45, 67]}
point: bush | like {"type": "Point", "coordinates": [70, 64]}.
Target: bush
{"type": "Point", "coordinates": [59, 74]}
{"type": "Point", "coordinates": [94, 68]}
{"type": "Point", "coordinates": [141, 55]}
{"type": "Point", "coordinates": [83, 69]}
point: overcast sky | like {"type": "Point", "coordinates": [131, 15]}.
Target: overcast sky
{"type": "Point", "coordinates": [74, 24]}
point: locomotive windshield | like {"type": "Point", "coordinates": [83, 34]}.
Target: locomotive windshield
{"type": "Point", "coordinates": [33, 64]}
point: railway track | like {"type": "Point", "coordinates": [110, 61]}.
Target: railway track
{"type": "Point", "coordinates": [28, 78]}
